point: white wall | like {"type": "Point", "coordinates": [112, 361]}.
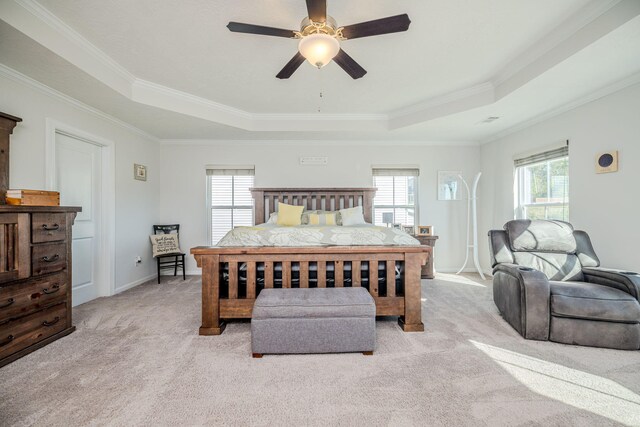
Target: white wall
{"type": "Point", "coordinates": [606, 205]}
{"type": "Point", "coordinates": [277, 165]}
{"type": "Point", "coordinates": [136, 201]}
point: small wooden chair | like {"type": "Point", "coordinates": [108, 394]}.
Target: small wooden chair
{"type": "Point", "coordinates": [178, 257]}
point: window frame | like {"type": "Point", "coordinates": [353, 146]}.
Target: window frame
{"type": "Point", "coordinates": [209, 207]}
{"type": "Point", "coordinates": [521, 207]}
{"type": "Point", "coordinates": [416, 192]}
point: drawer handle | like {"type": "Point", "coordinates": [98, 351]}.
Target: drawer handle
{"type": "Point", "coordinates": [55, 288]}
{"type": "Point", "coordinates": [52, 259]}
{"type": "Point", "coordinates": [54, 227]}
{"type": "Point", "coordinates": [53, 322]}
{"type": "Point", "coordinates": [7, 341]}
{"type": "Point", "coordinates": [8, 303]}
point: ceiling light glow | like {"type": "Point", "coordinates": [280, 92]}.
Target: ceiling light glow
{"type": "Point", "coordinates": [319, 49]}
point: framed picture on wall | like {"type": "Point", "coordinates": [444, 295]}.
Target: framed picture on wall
{"type": "Point", "coordinates": [449, 185]}
{"type": "Point", "coordinates": [140, 172]}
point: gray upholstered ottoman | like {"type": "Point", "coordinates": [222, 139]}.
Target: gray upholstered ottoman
{"type": "Point", "coordinates": [315, 320]}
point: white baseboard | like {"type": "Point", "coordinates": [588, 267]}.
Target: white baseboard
{"type": "Point", "coordinates": [133, 284]}
{"type": "Point", "coordinates": [194, 272]}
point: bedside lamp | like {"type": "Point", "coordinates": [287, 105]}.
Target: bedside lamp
{"type": "Point", "coordinates": [387, 218]}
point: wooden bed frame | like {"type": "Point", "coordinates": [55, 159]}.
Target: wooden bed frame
{"type": "Point", "coordinates": [403, 299]}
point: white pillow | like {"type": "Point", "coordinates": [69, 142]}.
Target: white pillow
{"type": "Point", "coordinates": [273, 218]}
{"type": "Point", "coordinates": [164, 244]}
{"type": "Point", "coordinates": [352, 216]}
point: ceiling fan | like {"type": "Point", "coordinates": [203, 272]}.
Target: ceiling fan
{"type": "Point", "coordinates": [320, 38]}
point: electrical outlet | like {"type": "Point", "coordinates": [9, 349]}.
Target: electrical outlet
{"type": "Point", "coordinates": [138, 260]}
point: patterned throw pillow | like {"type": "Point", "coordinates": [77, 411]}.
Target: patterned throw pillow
{"type": "Point", "coordinates": [163, 244]}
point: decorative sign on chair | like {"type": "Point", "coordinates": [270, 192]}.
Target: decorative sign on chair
{"type": "Point", "coordinates": [164, 244]}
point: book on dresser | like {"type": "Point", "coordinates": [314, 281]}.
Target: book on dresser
{"type": "Point", "coordinates": [35, 277]}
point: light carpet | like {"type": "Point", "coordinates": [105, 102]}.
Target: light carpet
{"type": "Point", "coordinates": [137, 359]}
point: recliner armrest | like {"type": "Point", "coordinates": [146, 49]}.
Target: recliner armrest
{"type": "Point", "coordinates": [626, 281]}
{"type": "Point", "coordinates": [535, 293]}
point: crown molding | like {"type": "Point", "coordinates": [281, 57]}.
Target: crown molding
{"type": "Point", "coordinates": [307, 143]}
{"type": "Point", "coordinates": [38, 23]}
{"type": "Point", "coordinates": [561, 33]}
{"type": "Point", "coordinates": [573, 35]}
{"type": "Point", "coordinates": [18, 77]}
{"type": "Point", "coordinates": [576, 32]}
{"type": "Point", "coordinates": [617, 86]}
{"type": "Point", "coordinates": [454, 102]}
{"type": "Point", "coordinates": [159, 96]}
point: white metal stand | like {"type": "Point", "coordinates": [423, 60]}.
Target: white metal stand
{"type": "Point", "coordinates": [472, 218]}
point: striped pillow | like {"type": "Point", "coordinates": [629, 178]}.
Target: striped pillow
{"type": "Point", "coordinates": [326, 218]}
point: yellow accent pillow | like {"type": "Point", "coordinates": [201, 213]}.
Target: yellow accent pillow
{"type": "Point", "coordinates": [289, 215]}
{"type": "Point", "coordinates": [322, 219]}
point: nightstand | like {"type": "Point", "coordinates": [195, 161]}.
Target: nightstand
{"type": "Point", "coordinates": [427, 269]}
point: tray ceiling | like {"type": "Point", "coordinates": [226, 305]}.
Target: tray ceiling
{"type": "Point", "coordinates": [459, 61]}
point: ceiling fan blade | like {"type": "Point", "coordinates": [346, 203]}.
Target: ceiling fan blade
{"type": "Point", "coordinates": [291, 66]}
{"type": "Point", "coordinates": [238, 27]}
{"type": "Point", "coordinates": [392, 24]}
{"type": "Point", "coordinates": [317, 10]}
{"type": "Point", "coordinates": [349, 65]}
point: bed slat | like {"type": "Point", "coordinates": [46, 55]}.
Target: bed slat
{"type": "Point", "coordinates": [268, 274]}
{"type": "Point", "coordinates": [355, 274]}
{"type": "Point", "coordinates": [251, 280]}
{"type": "Point", "coordinates": [373, 277]}
{"type": "Point", "coordinates": [338, 271]}
{"type": "Point", "coordinates": [322, 274]}
{"type": "Point", "coordinates": [391, 278]}
{"type": "Point", "coordinates": [304, 274]}
{"type": "Point", "coordinates": [233, 280]}
{"type": "Point", "coordinates": [286, 274]}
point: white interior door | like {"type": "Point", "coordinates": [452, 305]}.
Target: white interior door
{"type": "Point", "coordinates": [78, 178]}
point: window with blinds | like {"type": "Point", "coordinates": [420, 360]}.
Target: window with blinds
{"type": "Point", "coordinates": [397, 195]}
{"type": "Point", "coordinates": [229, 199]}
{"type": "Point", "coordinates": [543, 185]}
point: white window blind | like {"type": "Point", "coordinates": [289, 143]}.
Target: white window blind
{"type": "Point", "coordinates": [543, 185]}
{"type": "Point", "coordinates": [397, 194]}
{"type": "Point", "coordinates": [229, 199]}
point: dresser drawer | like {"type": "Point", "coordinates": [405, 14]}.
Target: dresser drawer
{"type": "Point", "coordinates": [48, 227]}
{"type": "Point", "coordinates": [37, 293]}
{"type": "Point", "coordinates": [48, 258]}
{"type": "Point", "coordinates": [18, 334]}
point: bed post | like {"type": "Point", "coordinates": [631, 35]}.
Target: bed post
{"type": "Point", "coordinates": [211, 324]}
{"type": "Point", "coordinates": [258, 206]}
{"type": "Point", "coordinates": [412, 319]}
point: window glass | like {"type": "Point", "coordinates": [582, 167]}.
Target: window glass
{"type": "Point", "coordinates": [396, 195]}
{"type": "Point", "coordinates": [230, 202]}
{"type": "Point", "coordinates": [543, 190]}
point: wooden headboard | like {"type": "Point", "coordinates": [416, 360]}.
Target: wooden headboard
{"type": "Point", "coordinates": [328, 199]}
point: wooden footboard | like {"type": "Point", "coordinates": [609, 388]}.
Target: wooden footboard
{"type": "Point", "coordinates": [233, 277]}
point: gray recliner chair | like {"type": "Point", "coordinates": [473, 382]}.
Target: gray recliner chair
{"type": "Point", "coordinates": [548, 285]}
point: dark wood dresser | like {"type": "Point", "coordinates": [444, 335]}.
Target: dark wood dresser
{"type": "Point", "coordinates": [35, 277]}
{"type": "Point", "coordinates": [428, 269]}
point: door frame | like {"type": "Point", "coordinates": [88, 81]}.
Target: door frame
{"type": "Point", "coordinates": [107, 249]}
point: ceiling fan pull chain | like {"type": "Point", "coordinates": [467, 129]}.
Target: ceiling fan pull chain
{"type": "Point", "coordinates": [320, 84]}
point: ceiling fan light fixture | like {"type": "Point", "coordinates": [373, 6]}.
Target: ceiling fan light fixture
{"type": "Point", "coordinates": [319, 49]}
